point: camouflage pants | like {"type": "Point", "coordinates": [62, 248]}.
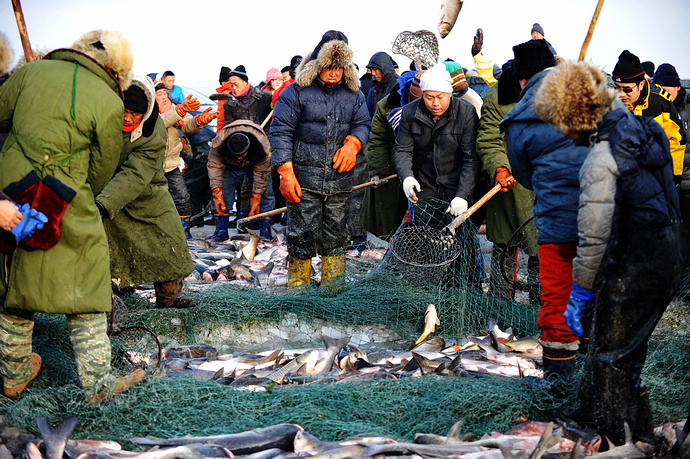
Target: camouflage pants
{"type": "Point", "coordinates": [89, 340]}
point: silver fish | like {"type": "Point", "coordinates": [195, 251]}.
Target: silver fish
{"type": "Point", "coordinates": [55, 436]}
{"type": "Point", "coordinates": [450, 9]}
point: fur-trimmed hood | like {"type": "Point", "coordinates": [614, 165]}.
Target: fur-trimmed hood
{"type": "Point", "coordinates": [5, 54]}
{"type": "Point", "coordinates": [148, 124]}
{"type": "Point", "coordinates": [110, 49]}
{"type": "Point", "coordinates": [574, 96]}
{"type": "Point", "coordinates": [335, 53]}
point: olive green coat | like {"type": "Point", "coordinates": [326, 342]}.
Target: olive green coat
{"type": "Point", "coordinates": [145, 235]}
{"type": "Point", "coordinates": [383, 207]}
{"type": "Point", "coordinates": [68, 119]}
{"type": "Point", "coordinates": [505, 212]}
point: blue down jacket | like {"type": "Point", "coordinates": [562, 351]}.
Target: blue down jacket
{"type": "Point", "coordinates": [310, 124]}
{"type": "Point", "coordinates": [542, 159]}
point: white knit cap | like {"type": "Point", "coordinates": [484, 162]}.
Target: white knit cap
{"type": "Point", "coordinates": [436, 78]}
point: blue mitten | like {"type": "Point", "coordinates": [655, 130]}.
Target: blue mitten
{"type": "Point", "coordinates": [576, 307]}
{"type": "Point", "coordinates": [31, 221]}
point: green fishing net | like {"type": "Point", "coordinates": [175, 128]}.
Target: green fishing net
{"type": "Point", "coordinates": [382, 298]}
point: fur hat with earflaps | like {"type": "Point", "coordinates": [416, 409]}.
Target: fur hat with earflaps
{"type": "Point", "coordinates": [574, 96]}
{"type": "Point", "coordinates": [110, 49]}
{"type": "Point", "coordinates": [332, 51]}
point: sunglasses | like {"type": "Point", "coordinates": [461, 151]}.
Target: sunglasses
{"type": "Point", "coordinates": [625, 89]}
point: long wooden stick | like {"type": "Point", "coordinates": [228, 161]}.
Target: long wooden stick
{"type": "Point", "coordinates": [590, 31]}
{"type": "Point", "coordinates": [270, 213]}
{"type": "Point", "coordinates": [19, 15]}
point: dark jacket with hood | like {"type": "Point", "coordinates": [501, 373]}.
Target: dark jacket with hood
{"type": "Point", "coordinates": [682, 104]}
{"type": "Point", "coordinates": [451, 167]}
{"type": "Point", "coordinates": [257, 159]}
{"type": "Point", "coordinates": [145, 236]}
{"type": "Point", "coordinates": [312, 119]}
{"type": "Point", "coordinates": [381, 89]}
{"type": "Point", "coordinates": [542, 159]}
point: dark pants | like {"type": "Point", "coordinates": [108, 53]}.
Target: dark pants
{"type": "Point", "coordinates": [197, 183]}
{"type": "Point", "coordinates": [317, 224]}
{"type": "Point", "coordinates": [638, 285]}
{"type": "Point", "coordinates": [179, 193]}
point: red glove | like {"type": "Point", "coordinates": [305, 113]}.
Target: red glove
{"type": "Point", "coordinates": [504, 178]}
{"type": "Point", "coordinates": [206, 117]}
{"type": "Point", "coordinates": [218, 200]}
{"type": "Point", "coordinates": [254, 203]}
{"type": "Point", "coordinates": [344, 159]}
{"type": "Point", "coordinates": [288, 183]}
{"type": "Point", "coordinates": [190, 104]}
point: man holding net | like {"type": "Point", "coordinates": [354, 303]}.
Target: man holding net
{"type": "Point", "coordinates": [320, 124]}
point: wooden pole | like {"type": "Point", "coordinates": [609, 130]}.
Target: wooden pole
{"type": "Point", "coordinates": [19, 15]}
{"type": "Point", "coordinates": [590, 32]}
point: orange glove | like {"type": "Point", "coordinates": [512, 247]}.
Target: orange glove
{"type": "Point", "coordinates": [218, 200]}
{"type": "Point", "coordinates": [504, 178]}
{"type": "Point", "coordinates": [344, 159]}
{"type": "Point", "coordinates": [254, 203]}
{"type": "Point", "coordinates": [206, 117]}
{"type": "Point", "coordinates": [288, 183]}
{"type": "Point", "coordinates": [183, 141]}
{"type": "Point", "coordinates": [190, 104]}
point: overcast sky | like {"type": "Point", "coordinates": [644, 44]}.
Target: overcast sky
{"type": "Point", "coordinates": [194, 39]}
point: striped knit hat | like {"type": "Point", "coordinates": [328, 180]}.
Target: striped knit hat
{"type": "Point", "coordinates": [458, 76]}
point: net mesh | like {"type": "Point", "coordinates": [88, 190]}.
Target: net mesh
{"type": "Point", "coordinates": [420, 46]}
{"type": "Point", "coordinates": [377, 296]}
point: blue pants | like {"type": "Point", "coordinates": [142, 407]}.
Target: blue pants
{"type": "Point", "coordinates": [231, 182]}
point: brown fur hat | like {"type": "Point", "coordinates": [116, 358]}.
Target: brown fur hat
{"type": "Point", "coordinates": [574, 96]}
{"type": "Point", "coordinates": [110, 49]}
{"type": "Point", "coordinates": [5, 54]}
{"type": "Point", "coordinates": [335, 53]}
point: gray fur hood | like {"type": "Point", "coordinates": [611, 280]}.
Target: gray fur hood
{"type": "Point", "coordinates": [335, 53]}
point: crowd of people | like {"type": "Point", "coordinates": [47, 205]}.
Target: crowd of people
{"type": "Point", "coordinates": [600, 163]}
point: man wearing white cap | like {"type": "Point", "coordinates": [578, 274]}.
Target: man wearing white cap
{"type": "Point", "coordinates": [435, 154]}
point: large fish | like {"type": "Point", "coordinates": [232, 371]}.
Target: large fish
{"type": "Point", "coordinates": [55, 437]}
{"type": "Point", "coordinates": [448, 15]}
{"type": "Point", "coordinates": [430, 322]}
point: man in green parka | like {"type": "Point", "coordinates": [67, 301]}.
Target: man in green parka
{"type": "Point", "coordinates": [64, 116]}
{"type": "Point", "coordinates": [510, 208]}
{"type": "Point", "coordinates": [145, 236]}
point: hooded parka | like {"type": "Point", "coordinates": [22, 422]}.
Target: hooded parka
{"type": "Point", "coordinates": [145, 235]}
{"type": "Point", "coordinates": [65, 112]}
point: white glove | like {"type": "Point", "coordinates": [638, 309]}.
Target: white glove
{"type": "Point", "coordinates": [410, 184]}
{"type": "Point", "coordinates": [457, 206]}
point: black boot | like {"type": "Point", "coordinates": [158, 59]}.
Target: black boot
{"type": "Point", "coordinates": [582, 415]}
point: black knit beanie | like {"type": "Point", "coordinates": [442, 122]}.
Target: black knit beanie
{"type": "Point", "coordinates": [628, 69]}
{"type": "Point", "coordinates": [224, 75]}
{"type": "Point", "coordinates": [239, 72]}
{"type": "Point", "coordinates": [238, 143]}
{"type": "Point", "coordinates": [135, 99]}
{"type": "Point", "coordinates": [531, 58]}
{"type": "Point", "coordinates": [666, 75]}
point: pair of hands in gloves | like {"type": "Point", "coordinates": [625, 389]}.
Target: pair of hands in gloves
{"type": "Point", "coordinates": [577, 303]}
{"type": "Point", "coordinates": [343, 160]}
{"type": "Point", "coordinates": [191, 104]}
{"type": "Point", "coordinates": [411, 187]}
{"type": "Point", "coordinates": [219, 202]}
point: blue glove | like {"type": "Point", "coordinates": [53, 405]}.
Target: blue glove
{"type": "Point", "coordinates": [576, 307]}
{"type": "Point", "coordinates": [32, 220]}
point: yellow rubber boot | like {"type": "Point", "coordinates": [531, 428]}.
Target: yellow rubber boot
{"type": "Point", "coordinates": [333, 272]}
{"type": "Point", "coordinates": [299, 273]}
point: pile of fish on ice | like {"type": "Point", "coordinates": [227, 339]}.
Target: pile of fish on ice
{"type": "Point", "coordinates": [532, 440]}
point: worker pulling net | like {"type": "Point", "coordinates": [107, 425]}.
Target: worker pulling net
{"type": "Point", "coordinates": [381, 309]}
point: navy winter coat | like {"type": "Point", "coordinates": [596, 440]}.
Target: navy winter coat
{"type": "Point", "coordinates": [309, 125]}
{"type": "Point", "coordinates": [542, 159]}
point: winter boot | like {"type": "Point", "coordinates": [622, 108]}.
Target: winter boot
{"type": "Point", "coordinates": [299, 273]}
{"type": "Point", "coordinates": [582, 415]}
{"type": "Point", "coordinates": [265, 228]}
{"type": "Point", "coordinates": [168, 295]}
{"type": "Point", "coordinates": [221, 233]}
{"type": "Point", "coordinates": [186, 226]}
{"type": "Point", "coordinates": [559, 365]}
{"type": "Point", "coordinates": [35, 363]}
{"type": "Point", "coordinates": [333, 272]}
{"type": "Point", "coordinates": [117, 385]}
